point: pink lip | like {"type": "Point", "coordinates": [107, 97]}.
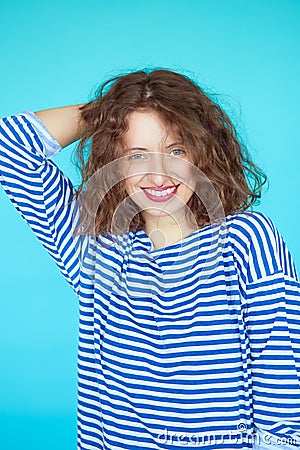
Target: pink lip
{"type": "Point", "coordinates": [160, 199]}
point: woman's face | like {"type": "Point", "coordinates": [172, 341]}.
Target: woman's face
{"type": "Point", "coordinates": [157, 167]}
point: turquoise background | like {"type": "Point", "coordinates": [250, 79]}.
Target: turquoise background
{"type": "Point", "coordinates": [56, 53]}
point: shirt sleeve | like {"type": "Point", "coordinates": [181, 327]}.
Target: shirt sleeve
{"type": "Point", "coordinates": [270, 291]}
{"type": "Point", "coordinates": [42, 194]}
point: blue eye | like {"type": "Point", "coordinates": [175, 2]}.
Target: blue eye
{"type": "Point", "coordinates": [136, 156]}
{"type": "Point", "coordinates": [177, 152]}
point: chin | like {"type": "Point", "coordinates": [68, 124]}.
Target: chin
{"type": "Point", "coordinates": [156, 212]}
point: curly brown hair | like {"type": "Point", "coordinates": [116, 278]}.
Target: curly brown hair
{"type": "Point", "coordinates": [202, 125]}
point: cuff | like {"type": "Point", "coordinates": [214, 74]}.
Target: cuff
{"type": "Point", "coordinates": [51, 146]}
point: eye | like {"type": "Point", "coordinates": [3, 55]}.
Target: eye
{"type": "Point", "coordinates": [177, 152]}
{"type": "Point", "coordinates": [136, 156]}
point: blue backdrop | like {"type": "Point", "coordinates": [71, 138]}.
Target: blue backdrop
{"type": "Point", "coordinates": [55, 53]}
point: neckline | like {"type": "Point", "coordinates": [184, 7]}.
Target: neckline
{"type": "Point", "coordinates": [184, 241]}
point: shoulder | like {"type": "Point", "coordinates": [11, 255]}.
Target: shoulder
{"type": "Point", "coordinates": [253, 231]}
{"type": "Point", "coordinates": [250, 224]}
{"type": "Point", "coordinates": [257, 245]}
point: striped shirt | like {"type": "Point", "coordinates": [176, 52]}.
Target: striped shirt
{"type": "Point", "coordinates": [196, 344]}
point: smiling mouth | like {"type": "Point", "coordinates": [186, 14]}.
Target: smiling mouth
{"type": "Point", "coordinates": [160, 194]}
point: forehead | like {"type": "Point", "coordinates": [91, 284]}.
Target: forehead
{"type": "Point", "coordinates": [147, 129]}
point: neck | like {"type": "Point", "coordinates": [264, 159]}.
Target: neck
{"type": "Point", "coordinates": [166, 230]}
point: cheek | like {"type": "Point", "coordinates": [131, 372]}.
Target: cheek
{"type": "Point", "coordinates": [130, 185]}
{"type": "Point", "coordinates": [180, 168]}
{"type": "Point", "coordinates": [187, 180]}
{"type": "Point", "coordinates": [185, 193]}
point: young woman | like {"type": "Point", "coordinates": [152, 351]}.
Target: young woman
{"type": "Point", "coordinates": [189, 302]}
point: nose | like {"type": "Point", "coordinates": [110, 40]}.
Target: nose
{"type": "Point", "coordinates": [158, 171]}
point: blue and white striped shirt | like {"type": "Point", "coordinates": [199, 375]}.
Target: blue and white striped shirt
{"type": "Point", "coordinates": [192, 345]}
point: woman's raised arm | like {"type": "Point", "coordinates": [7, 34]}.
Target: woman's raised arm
{"type": "Point", "coordinates": [40, 191]}
{"type": "Point", "coordinates": [63, 123]}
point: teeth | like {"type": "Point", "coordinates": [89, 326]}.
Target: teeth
{"type": "Point", "coordinates": [161, 193]}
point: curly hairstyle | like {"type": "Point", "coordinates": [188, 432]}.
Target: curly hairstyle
{"type": "Point", "coordinates": [201, 124]}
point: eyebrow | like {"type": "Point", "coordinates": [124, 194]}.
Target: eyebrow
{"type": "Point", "coordinates": [145, 149]}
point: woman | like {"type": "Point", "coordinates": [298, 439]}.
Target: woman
{"type": "Point", "coordinates": [189, 303]}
